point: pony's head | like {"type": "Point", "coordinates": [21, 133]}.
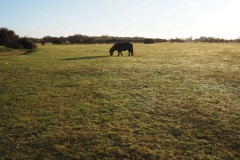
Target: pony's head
{"type": "Point", "coordinates": [111, 51]}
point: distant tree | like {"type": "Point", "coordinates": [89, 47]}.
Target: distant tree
{"type": "Point", "coordinates": [7, 36]}
{"type": "Point", "coordinates": [149, 41]}
{"type": "Point", "coordinates": [57, 41]}
{"type": "Point", "coordinates": [237, 40]}
{"type": "Point", "coordinates": [77, 38]}
{"type": "Point", "coordinates": [177, 40]}
{"type": "Point", "coordinates": [89, 41]}
{"type": "Point", "coordinates": [189, 39]}
{"type": "Point", "coordinates": [203, 39]}
{"type": "Point", "coordinates": [48, 39]}
{"type": "Point", "coordinates": [212, 40]}
{"type": "Point", "coordinates": [160, 40]}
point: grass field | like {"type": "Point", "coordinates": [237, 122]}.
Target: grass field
{"type": "Point", "coordinates": [169, 101]}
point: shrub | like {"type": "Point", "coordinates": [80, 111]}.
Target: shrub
{"type": "Point", "coordinates": [26, 43]}
{"type": "Point", "coordinates": [14, 45]}
{"type": "Point", "coordinates": [57, 41]}
{"type": "Point", "coordinates": [149, 41]}
{"type": "Point", "coordinates": [9, 39]}
{"type": "Point", "coordinates": [177, 40]}
{"type": "Point", "coordinates": [22, 43]}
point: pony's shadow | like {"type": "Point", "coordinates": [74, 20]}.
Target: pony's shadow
{"type": "Point", "coordinates": [84, 58]}
{"type": "Point", "coordinates": [28, 52]}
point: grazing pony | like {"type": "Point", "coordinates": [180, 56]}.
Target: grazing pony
{"type": "Point", "coordinates": [43, 43]}
{"type": "Point", "coordinates": [122, 47]}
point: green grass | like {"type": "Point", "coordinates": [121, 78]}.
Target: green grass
{"type": "Point", "coordinates": [4, 49]}
{"type": "Point", "coordinates": [169, 101]}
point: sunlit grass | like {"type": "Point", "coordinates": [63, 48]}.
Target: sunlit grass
{"type": "Point", "coordinates": [169, 101]}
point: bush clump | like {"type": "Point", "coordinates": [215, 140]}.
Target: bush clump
{"type": "Point", "coordinates": [14, 45]}
{"type": "Point", "coordinates": [9, 39]}
{"type": "Point", "coordinates": [26, 43]}
{"type": "Point", "coordinates": [22, 43]}
{"type": "Point", "coordinates": [149, 41]}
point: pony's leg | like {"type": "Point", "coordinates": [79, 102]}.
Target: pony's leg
{"type": "Point", "coordinates": [121, 54]}
{"type": "Point", "coordinates": [131, 53]}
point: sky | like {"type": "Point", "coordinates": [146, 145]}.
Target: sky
{"type": "Point", "coordinates": [126, 18]}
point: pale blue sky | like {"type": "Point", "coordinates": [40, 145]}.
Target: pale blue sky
{"type": "Point", "coordinates": [147, 18]}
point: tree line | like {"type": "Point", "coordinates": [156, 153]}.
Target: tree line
{"type": "Point", "coordinates": [83, 39]}
{"type": "Point", "coordinates": [9, 39]}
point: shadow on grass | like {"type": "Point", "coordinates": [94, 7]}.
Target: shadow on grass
{"type": "Point", "coordinates": [84, 58]}
{"type": "Point", "coordinates": [29, 52]}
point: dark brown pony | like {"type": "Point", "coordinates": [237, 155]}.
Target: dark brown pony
{"type": "Point", "coordinates": [122, 47]}
{"type": "Point", "coordinates": [43, 43]}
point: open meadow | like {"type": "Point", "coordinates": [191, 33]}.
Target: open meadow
{"type": "Point", "coordinates": [169, 101]}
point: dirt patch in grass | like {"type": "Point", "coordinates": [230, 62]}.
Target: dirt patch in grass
{"type": "Point", "coordinates": [11, 53]}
